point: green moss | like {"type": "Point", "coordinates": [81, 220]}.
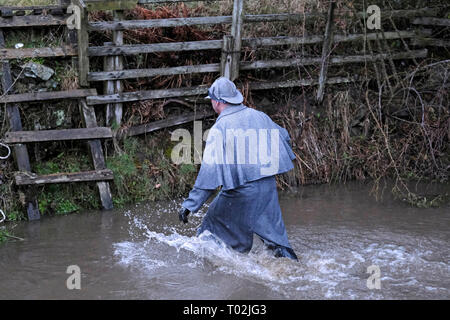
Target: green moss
{"type": "Point", "coordinates": [3, 235]}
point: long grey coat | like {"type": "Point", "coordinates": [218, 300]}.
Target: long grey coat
{"type": "Point", "coordinates": [248, 200]}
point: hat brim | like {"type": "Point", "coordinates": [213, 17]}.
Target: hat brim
{"type": "Point", "coordinates": [233, 100]}
{"type": "Point", "coordinates": [237, 99]}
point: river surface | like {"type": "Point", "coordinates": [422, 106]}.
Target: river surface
{"type": "Point", "coordinates": [144, 252]}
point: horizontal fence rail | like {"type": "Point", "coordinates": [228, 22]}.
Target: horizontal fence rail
{"type": "Point", "coordinates": [249, 42]}
{"type": "Point", "coordinates": [33, 21]}
{"type": "Point", "coordinates": [58, 135]}
{"type": "Point", "coordinates": [190, 21]}
{"type": "Point", "coordinates": [155, 47]}
{"type": "Point", "coordinates": [263, 64]}
{"type": "Point", "coordinates": [201, 90]}
{"type": "Point", "coordinates": [44, 96]}
{"type": "Point", "coordinates": [86, 176]}
{"type": "Point", "coordinates": [65, 51]}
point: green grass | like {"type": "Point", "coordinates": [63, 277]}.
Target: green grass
{"type": "Point", "coordinates": [3, 235]}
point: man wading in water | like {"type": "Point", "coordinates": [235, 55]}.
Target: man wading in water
{"type": "Point", "coordinates": [244, 151]}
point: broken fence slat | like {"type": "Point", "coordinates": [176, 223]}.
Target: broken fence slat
{"type": "Point", "coordinates": [26, 178]}
{"type": "Point", "coordinates": [58, 135]}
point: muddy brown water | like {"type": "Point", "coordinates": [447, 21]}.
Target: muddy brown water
{"type": "Point", "coordinates": [143, 252]}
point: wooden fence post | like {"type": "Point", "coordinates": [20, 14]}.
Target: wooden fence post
{"type": "Point", "coordinates": [15, 123]}
{"type": "Point", "coordinates": [83, 43]}
{"type": "Point", "coordinates": [236, 28]}
{"type": "Point", "coordinates": [95, 146]}
{"type": "Point", "coordinates": [118, 65]}
{"type": "Point", "coordinates": [108, 86]}
{"type": "Point", "coordinates": [227, 56]}
{"type": "Point", "coordinates": [328, 40]}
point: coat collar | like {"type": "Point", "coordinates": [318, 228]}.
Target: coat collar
{"type": "Point", "coordinates": [230, 110]}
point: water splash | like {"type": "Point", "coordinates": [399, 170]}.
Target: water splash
{"type": "Point", "coordinates": [332, 261]}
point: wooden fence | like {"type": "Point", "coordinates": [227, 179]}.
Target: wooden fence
{"type": "Point", "coordinates": [115, 73]}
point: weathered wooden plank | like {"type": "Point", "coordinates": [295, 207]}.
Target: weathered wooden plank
{"type": "Point", "coordinates": [142, 73]}
{"type": "Point", "coordinates": [31, 8]}
{"type": "Point", "coordinates": [97, 156]}
{"type": "Point", "coordinates": [249, 42]}
{"type": "Point", "coordinates": [83, 44]}
{"type": "Point", "coordinates": [157, 23]}
{"type": "Point", "coordinates": [15, 123]}
{"type": "Point", "coordinates": [161, 124]}
{"type": "Point", "coordinates": [118, 65]}
{"type": "Point", "coordinates": [236, 28]}
{"type": "Point", "coordinates": [296, 83]}
{"type": "Point", "coordinates": [33, 21]}
{"type": "Point", "coordinates": [27, 178]}
{"type": "Point", "coordinates": [327, 41]}
{"type": "Point", "coordinates": [193, 91]}
{"type": "Point", "coordinates": [227, 56]}
{"type": "Point", "coordinates": [52, 95]}
{"type": "Point", "coordinates": [147, 95]}
{"type": "Point", "coordinates": [300, 17]}
{"type": "Point", "coordinates": [431, 42]}
{"type": "Point", "coordinates": [336, 60]}
{"type": "Point", "coordinates": [65, 51]}
{"type": "Point", "coordinates": [57, 135]}
{"type": "Point", "coordinates": [313, 39]}
{"type": "Point", "coordinates": [155, 47]}
{"type": "Point", "coordinates": [96, 5]}
{"type": "Point", "coordinates": [432, 21]}
{"type": "Point", "coordinates": [190, 21]}
{"type": "Point", "coordinates": [178, 22]}
{"type": "Point", "coordinates": [108, 86]}
{"type": "Point", "coordinates": [260, 64]}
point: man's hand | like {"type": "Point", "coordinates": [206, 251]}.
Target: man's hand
{"type": "Point", "coordinates": [182, 214]}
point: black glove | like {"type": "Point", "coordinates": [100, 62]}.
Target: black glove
{"type": "Point", "coordinates": [182, 214]}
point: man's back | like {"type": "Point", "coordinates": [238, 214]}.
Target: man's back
{"type": "Point", "coordinates": [243, 145]}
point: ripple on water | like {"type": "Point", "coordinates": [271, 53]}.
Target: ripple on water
{"type": "Point", "coordinates": [335, 269]}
